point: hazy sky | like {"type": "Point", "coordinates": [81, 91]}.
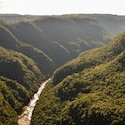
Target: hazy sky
{"type": "Point", "coordinates": [50, 7]}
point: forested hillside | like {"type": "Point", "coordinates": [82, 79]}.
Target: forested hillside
{"type": "Point", "coordinates": [19, 80]}
{"type": "Point", "coordinates": [88, 90]}
{"type": "Point", "coordinates": [58, 39]}
{"type": "Point", "coordinates": [61, 39]}
{"type": "Point", "coordinates": [33, 47]}
{"type": "Point", "coordinates": [8, 40]}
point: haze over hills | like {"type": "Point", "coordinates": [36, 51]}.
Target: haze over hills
{"type": "Point", "coordinates": [67, 34]}
{"type": "Point", "coordinates": [33, 47]}
{"type": "Point", "coordinates": [90, 91]}
{"type": "Point", "coordinates": [60, 35]}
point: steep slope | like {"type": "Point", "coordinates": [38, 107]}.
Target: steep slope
{"type": "Point", "coordinates": [51, 41]}
{"type": "Point", "coordinates": [8, 40]}
{"type": "Point", "coordinates": [74, 36]}
{"type": "Point", "coordinates": [60, 38]}
{"type": "Point", "coordinates": [91, 58]}
{"type": "Point", "coordinates": [91, 93]}
{"type": "Point", "coordinates": [13, 96]}
{"type": "Point", "coordinates": [7, 115]}
{"type": "Point", "coordinates": [19, 80]}
{"type": "Point", "coordinates": [64, 37]}
{"type": "Point", "coordinates": [18, 67]}
{"type": "Point", "coordinates": [31, 34]}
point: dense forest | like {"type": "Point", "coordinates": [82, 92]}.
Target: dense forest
{"type": "Point", "coordinates": [88, 90]}
{"type": "Point", "coordinates": [19, 80]}
{"type": "Point", "coordinates": [33, 48]}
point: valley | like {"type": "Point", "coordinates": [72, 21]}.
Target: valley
{"type": "Point", "coordinates": [87, 90]}
{"type": "Point", "coordinates": [84, 54]}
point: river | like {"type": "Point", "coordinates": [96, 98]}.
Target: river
{"type": "Point", "coordinates": [25, 117]}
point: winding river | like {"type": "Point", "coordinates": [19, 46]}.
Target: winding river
{"type": "Point", "coordinates": [25, 117]}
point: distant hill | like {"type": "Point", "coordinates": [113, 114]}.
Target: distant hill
{"type": "Point", "coordinates": [88, 90]}
{"type": "Point", "coordinates": [112, 23]}
{"type": "Point", "coordinates": [8, 40]}
{"type": "Point", "coordinates": [62, 38]}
